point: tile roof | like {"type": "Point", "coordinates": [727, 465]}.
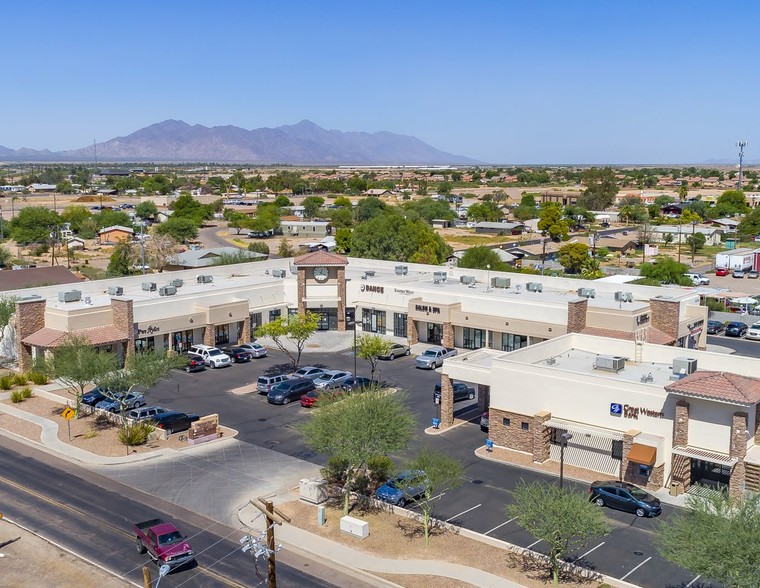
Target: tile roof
{"type": "Point", "coordinates": [320, 258]}
{"type": "Point", "coordinates": [723, 386]}
{"type": "Point", "coordinates": [655, 336]}
{"type": "Point", "coordinates": [35, 277]}
{"type": "Point", "coordinates": [47, 337]}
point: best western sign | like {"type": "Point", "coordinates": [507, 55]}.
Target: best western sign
{"type": "Point", "coordinates": [628, 411]}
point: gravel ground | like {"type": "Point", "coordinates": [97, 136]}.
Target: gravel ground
{"type": "Point", "coordinates": [411, 581]}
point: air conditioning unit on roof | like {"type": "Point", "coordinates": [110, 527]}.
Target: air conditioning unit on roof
{"type": "Point", "coordinates": [149, 286]}
{"type": "Point", "coordinates": [70, 296]}
{"type": "Point", "coordinates": [279, 273]}
{"type": "Point", "coordinates": [167, 291]}
{"type": "Point", "coordinates": [587, 292]}
{"type": "Point", "coordinates": [115, 291]}
{"type": "Point", "coordinates": [534, 287]}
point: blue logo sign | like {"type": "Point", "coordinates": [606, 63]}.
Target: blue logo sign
{"type": "Point", "coordinates": [616, 409]}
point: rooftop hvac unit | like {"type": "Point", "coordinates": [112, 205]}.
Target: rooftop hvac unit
{"type": "Point", "coordinates": [609, 363]}
{"type": "Point", "coordinates": [167, 291]}
{"type": "Point", "coordinates": [587, 292]}
{"type": "Point", "coordinates": [29, 297]}
{"type": "Point", "coordinates": [501, 282]}
{"type": "Point", "coordinates": [442, 276]}
{"type": "Point", "coordinates": [436, 280]}
{"type": "Point", "coordinates": [534, 287]}
{"type": "Point", "coordinates": [149, 286]}
{"type": "Point", "coordinates": [176, 282]}
{"type": "Point", "coordinates": [624, 296]}
{"type": "Point", "coordinates": [466, 279]}
{"type": "Point", "coordinates": [369, 274]}
{"type": "Point", "coordinates": [279, 273]}
{"type": "Point", "coordinates": [115, 291]}
{"type": "Point", "coordinates": [683, 366]}
{"type": "Point", "coordinates": [205, 279]}
{"type": "Point", "coordinates": [70, 296]}
{"type": "Point", "coordinates": [402, 270]}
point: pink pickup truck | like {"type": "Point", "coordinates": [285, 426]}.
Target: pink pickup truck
{"type": "Point", "coordinates": [163, 542]}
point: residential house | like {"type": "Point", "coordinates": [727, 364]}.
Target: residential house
{"type": "Point", "coordinates": [197, 258]}
{"type": "Point", "coordinates": [302, 228]}
{"type": "Point", "coordinates": [505, 228]}
{"type": "Point", "coordinates": [41, 187]}
{"type": "Point", "coordinates": [114, 234]}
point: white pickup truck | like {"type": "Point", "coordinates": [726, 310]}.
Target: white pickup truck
{"type": "Point", "coordinates": [433, 357]}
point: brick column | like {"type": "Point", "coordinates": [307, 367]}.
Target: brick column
{"type": "Point", "coordinates": [301, 290]}
{"type": "Point", "coordinates": [411, 331]}
{"type": "Point", "coordinates": [629, 437]}
{"type": "Point", "coordinates": [447, 401]}
{"type": "Point", "coordinates": [245, 336]}
{"type": "Point", "coordinates": [757, 424]}
{"type": "Point", "coordinates": [576, 315]}
{"type": "Point", "coordinates": [209, 336]}
{"type": "Point", "coordinates": [484, 397]}
{"type": "Point", "coordinates": [341, 299]}
{"type": "Point", "coordinates": [448, 335]}
{"type": "Point", "coordinates": [30, 318]}
{"type": "Point", "coordinates": [665, 315]}
{"type": "Point", "coordinates": [122, 310]}
{"type": "Point", "coordinates": [738, 449]}
{"type": "Point", "coordinates": [542, 436]}
{"type": "Point", "coordinates": [681, 465]}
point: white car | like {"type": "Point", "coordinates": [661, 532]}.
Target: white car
{"type": "Point", "coordinates": [699, 279]}
{"type": "Point", "coordinates": [213, 356]}
{"type": "Point", "coordinates": [754, 332]}
{"type": "Point", "coordinates": [254, 349]}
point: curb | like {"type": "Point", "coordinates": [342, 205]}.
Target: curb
{"type": "Point", "coordinates": [458, 422]}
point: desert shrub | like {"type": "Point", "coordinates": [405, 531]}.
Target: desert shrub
{"type": "Point", "coordinates": [37, 378]}
{"type": "Point", "coordinates": [40, 249]}
{"type": "Point", "coordinates": [90, 434]}
{"type": "Point", "coordinates": [17, 396]}
{"type": "Point", "coordinates": [380, 469]}
{"type": "Point", "coordinates": [259, 247]}
{"type": "Point", "coordinates": [26, 392]}
{"type": "Point", "coordinates": [136, 434]}
{"type": "Point", "coordinates": [20, 379]}
{"type": "Point", "coordinates": [335, 472]}
{"type": "Point", "coordinates": [6, 382]}
{"type": "Point", "coordinates": [102, 421]}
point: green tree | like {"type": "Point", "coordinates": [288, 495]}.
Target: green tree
{"type": "Point", "coordinates": [487, 211]}
{"type": "Point", "coordinates": [236, 221]}
{"type": "Point", "coordinates": [573, 256]}
{"type": "Point", "coordinates": [591, 269]}
{"type": "Point", "coordinates": [440, 473]}
{"type": "Point", "coordinates": [179, 229]}
{"type": "Point", "coordinates": [285, 249]}
{"type": "Point", "coordinates": [341, 218]}
{"type": "Point", "coordinates": [358, 428]}
{"type": "Point", "coordinates": [343, 237]}
{"type": "Point", "coordinates": [238, 256]}
{"type": "Point", "coordinates": [444, 188]}
{"type": "Point", "coordinates": [731, 202]}
{"type": "Point", "coordinates": [750, 224]}
{"type": "Point", "coordinates": [368, 208]}
{"type": "Point", "coordinates": [480, 257]}
{"type": "Point", "coordinates": [666, 269]}
{"type": "Point", "coordinates": [64, 187]}
{"type": "Point", "coordinates": [311, 205]}
{"type": "Point", "coordinates": [7, 310]}
{"type": "Point", "coordinates": [552, 222]}
{"type": "Point", "coordinates": [294, 329]}
{"type": "Point", "coordinates": [696, 242]}
{"type": "Point", "coordinates": [343, 202]}
{"type": "Point", "coordinates": [282, 201]}
{"type": "Point", "coordinates": [187, 207]}
{"type": "Point", "coordinates": [716, 537]}
{"type": "Point", "coordinates": [109, 218]}
{"type": "Point", "coordinates": [259, 247]}
{"type": "Point", "coordinates": [683, 191]}
{"type": "Point", "coordinates": [122, 260]}
{"type": "Point", "coordinates": [601, 188]}
{"type": "Point", "coordinates": [371, 348]}
{"type": "Point", "coordinates": [564, 519]}
{"type": "Point", "coordinates": [76, 216]}
{"type": "Point", "coordinates": [33, 224]}
{"type": "Point", "coordinates": [430, 209]}
{"type": "Point", "coordinates": [146, 210]}
{"type": "Point", "coordinates": [5, 257]}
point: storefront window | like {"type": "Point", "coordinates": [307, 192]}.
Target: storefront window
{"type": "Point", "coordinates": [222, 334]}
{"type": "Point", "coordinates": [144, 344]}
{"type": "Point", "coordinates": [327, 318]}
{"type": "Point", "coordinates": [510, 342]}
{"type": "Point", "coordinates": [399, 324]}
{"type": "Point", "coordinates": [182, 341]}
{"type": "Point", "coordinates": [473, 338]}
{"type": "Point", "coordinates": [255, 321]}
{"type": "Point", "coordinates": [373, 321]}
{"type": "Point", "coordinates": [274, 314]}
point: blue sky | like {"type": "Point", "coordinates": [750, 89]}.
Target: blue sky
{"type": "Point", "coordinates": [503, 82]}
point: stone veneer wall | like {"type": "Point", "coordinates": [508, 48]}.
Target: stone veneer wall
{"type": "Point", "coordinates": [448, 335]}
{"type": "Point", "coordinates": [245, 335]}
{"type": "Point", "coordinates": [738, 450]}
{"type": "Point", "coordinates": [757, 424]}
{"type": "Point", "coordinates": [630, 469]}
{"type": "Point", "coordinates": [30, 318]}
{"type": "Point", "coordinates": [411, 331]}
{"type": "Point", "coordinates": [122, 310]}
{"type": "Point", "coordinates": [681, 471]}
{"type": "Point", "coordinates": [209, 336]}
{"type": "Point", "coordinates": [484, 397]}
{"type": "Point", "coordinates": [665, 315]}
{"type": "Point", "coordinates": [447, 401]}
{"type": "Point", "coordinates": [301, 290]}
{"type": "Point", "coordinates": [342, 299]}
{"type": "Point", "coordinates": [576, 315]}
{"type": "Point", "coordinates": [542, 436]}
{"type": "Point", "coordinates": [512, 436]}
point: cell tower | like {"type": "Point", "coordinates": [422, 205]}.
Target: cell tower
{"type": "Point", "coordinates": [741, 145]}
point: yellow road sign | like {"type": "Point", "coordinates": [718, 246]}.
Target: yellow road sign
{"type": "Point", "coordinates": [68, 413]}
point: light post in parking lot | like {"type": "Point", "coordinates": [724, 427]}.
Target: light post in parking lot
{"type": "Point", "coordinates": [693, 243]}
{"type": "Point", "coordinates": [564, 438]}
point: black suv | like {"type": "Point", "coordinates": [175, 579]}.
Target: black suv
{"type": "Point", "coordinates": [290, 390]}
{"type": "Point", "coordinates": [625, 496]}
{"type": "Point", "coordinates": [461, 392]}
{"type": "Point", "coordinates": [174, 421]}
{"type": "Point", "coordinates": [195, 363]}
{"type": "Point", "coordinates": [237, 354]}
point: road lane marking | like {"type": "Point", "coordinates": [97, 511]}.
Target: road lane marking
{"type": "Point", "coordinates": [694, 580]}
{"type": "Point", "coordinates": [534, 543]}
{"type": "Point", "coordinates": [499, 526]}
{"type": "Point", "coordinates": [463, 512]}
{"type": "Point", "coordinates": [636, 568]}
{"type": "Point", "coordinates": [593, 549]}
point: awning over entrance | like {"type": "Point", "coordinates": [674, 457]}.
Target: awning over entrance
{"type": "Point", "coordinates": [583, 429]}
{"type": "Point", "coordinates": [704, 454]}
{"type": "Point", "coordinates": [47, 337]}
{"type": "Point", "coordinates": [643, 454]}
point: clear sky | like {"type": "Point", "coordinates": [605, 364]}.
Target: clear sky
{"type": "Point", "coordinates": [503, 82]}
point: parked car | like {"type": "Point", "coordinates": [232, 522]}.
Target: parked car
{"type": "Point", "coordinates": [292, 389]}
{"type": "Point", "coordinates": [94, 396]}
{"type": "Point", "coordinates": [396, 350]}
{"type": "Point", "coordinates": [237, 354]}
{"type": "Point", "coordinates": [195, 363]}
{"type": "Point", "coordinates": [404, 488]}
{"type": "Point", "coordinates": [433, 357]}
{"type": "Point", "coordinates": [736, 329]}
{"type": "Point", "coordinates": [265, 383]}
{"type": "Point", "coordinates": [213, 356]}
{"type": "Point", "coordinates": [715, 327]}
{"type": "Point", "coordinates": [752, 274]}
{"type": "Point", "coordinates": [625, 496]}
{"type": "Point", "coordinates": [308, 371]}
{"type": "Point", "coordinates": [175, 421]}
{"type": "Point", "coordinates": [331, 379]}
{"type": "Point", "coordinates": [309, 399]}
{"type": "Point", "coordinates": [698, 279]}
{"type": "Point", "coordinates": [355, 383]}
{"type": "Point", "coordinates": [721, 271]}
{"type": "Point", "coordinates": [737, 273]}
{"type": "Point", "coordinates": [163, 542]}
{"type": "Point", "coordinates": [146, 412]}
{"type": "Point", "coordinates": [484, 422]}
{"type": "Point", "coordinates": [461, 392]}
{"type": "Point", "coordinates": [254, 349]}
{"type": "Point", "coordinates": [130, 401]}
{"type": "Point", "coordinates": [753, 333]}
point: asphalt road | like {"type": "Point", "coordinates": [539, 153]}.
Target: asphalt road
{"type": "Point", "coordinates": [92, 516]}
{"type": "Point", "coordinates": [626, 553]}
{"type": "Point", "coordinates": [740, 346]}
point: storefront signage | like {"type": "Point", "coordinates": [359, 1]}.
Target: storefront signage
{"type": "Point", "coordinates": [642, 319]}
{"type": "Point", "coordinates": [403, 292]}
{"type": "Point", "coordinates": [633, 412]}
{"type": "Point", "coordinates": [372, 288]}
{"type": "Point", "coordinates": [426, 308]}
{"type": "Point", "coordinates": [150, 330]}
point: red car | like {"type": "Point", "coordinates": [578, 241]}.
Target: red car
{"type": "Point", "coordinates": [310, 399]}
{"type": "Point", "coordinates": [163, 542]}
{"type": "Point", "coordinates": [721, 271]}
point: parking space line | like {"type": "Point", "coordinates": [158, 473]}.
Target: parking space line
{"type": "Point", "coordinates": [590, 550]}
{"type": "Point", "coordinates": [636, 568]}
{"type": "Point", "coordinates": [499, 526]}
{"type": "Point", "coordinates": [534, 543]}
{"type": "Point", "coordinates": [694, 580]}
{"type": "Point", "coordinates": [463, 512]}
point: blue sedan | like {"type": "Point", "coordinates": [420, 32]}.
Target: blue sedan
{"type": "Point", "coordinates": [408, 485]}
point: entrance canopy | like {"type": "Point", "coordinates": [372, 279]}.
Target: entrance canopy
{"type": "Point", "coordinates": [703, 454]}
{"type": "Point", "coordinates": [643, 454]}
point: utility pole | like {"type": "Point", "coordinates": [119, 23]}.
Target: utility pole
{"type": "Point", "coordinates": [142, 245]}
{"type": "Point", "coordinates": [741, 145]}
{"type": "Point", "coordinates": [274, 516]}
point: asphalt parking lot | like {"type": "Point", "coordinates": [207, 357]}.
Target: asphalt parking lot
{"type": "Point", "coordinates": [626, 553]}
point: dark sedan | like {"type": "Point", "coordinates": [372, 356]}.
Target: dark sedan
{"type": "Point", "coordinates": [625, 496]}
{"type": "Point", "coordinates": [174, 421]}
{"type": "Point", "coordinates": [238, 354]}
{"type": "Point", "coordinates": [715, 327]}
{"type": "Point", "coordinates": [461, 392]}
{"type": "Point", "coordinates": [355, 383]}
{"type": "Point", "coordinates": [736, 329]}
{"type": "Point", "coordinates": [195, 363]}
{"type": "Point", "coordinates": [92, 397]}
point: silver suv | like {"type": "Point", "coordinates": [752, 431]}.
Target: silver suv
{"type": "Point", "coordinates": [213, 356]}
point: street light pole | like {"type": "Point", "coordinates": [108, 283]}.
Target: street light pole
{"type": "Point", "coordinates": [693, 243]}
{"type": "Point", "coordinates": [564, 438]}
{"type": "Point", "coordinates": [679, 241]}
{"type": "Point", "coordinates": [543, 251]}
{"type": "Point", "coordinates": [488, 278]}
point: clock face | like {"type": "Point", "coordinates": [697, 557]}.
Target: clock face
{"type": "Point", "coordinates": [321, 273]}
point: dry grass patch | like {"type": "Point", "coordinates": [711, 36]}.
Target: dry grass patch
{"type": "Point", "coordinates": [410, 581]}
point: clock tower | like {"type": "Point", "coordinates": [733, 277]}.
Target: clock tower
{"type": "Point", "coordinates": [322, 288]}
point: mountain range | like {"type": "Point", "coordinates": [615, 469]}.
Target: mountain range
{"type": "Point", "coordinates": [304, 143]}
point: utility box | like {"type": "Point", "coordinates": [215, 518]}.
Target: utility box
{"type": "Point", "coordinates": [676, 488]}
{"type": "Point", "coordinates": [355, 527]}
{"type": "Point", "coordinates": [313, 490]}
